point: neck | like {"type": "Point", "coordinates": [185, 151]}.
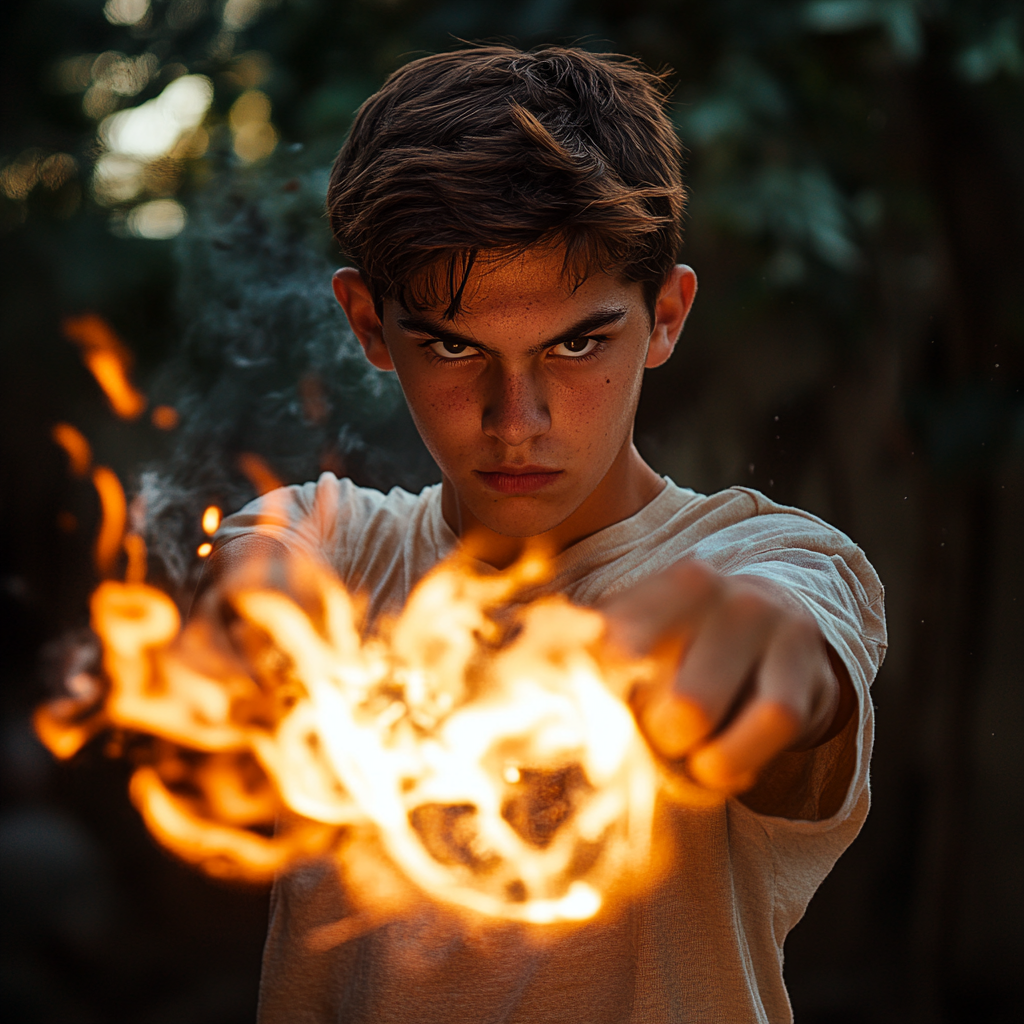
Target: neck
{"type": "Point", "coordinates": [625, 489]}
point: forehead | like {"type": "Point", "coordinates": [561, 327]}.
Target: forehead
{"type": "Point", "coordinates": [531, 284]}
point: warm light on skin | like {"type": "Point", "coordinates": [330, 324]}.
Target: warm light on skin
{"type": "Point", "coordinates": [531, 392]}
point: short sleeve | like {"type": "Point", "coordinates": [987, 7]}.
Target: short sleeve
{"type": "Point", "coordinates": [321, 520]}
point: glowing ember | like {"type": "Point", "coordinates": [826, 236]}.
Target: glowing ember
{"type": "Point", "coordinates": [108, 361]}
{"type": "Point", "coordinates": [165, 417]}
{"type": "Point", "coordinates": [211, 520]}
{"type": "Point", "coordinates": [135, 547]}
{"type": "Point", "coordinates": [75, 446]}
{"type": "Point", "coordinates": [204, 549]}
{"type": "Point", "coordinates": [483, 745]}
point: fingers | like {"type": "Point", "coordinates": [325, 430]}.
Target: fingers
{"type": "Point", "coordinates": [215, 641]}
{"type": "Point", "coordinates": [730, 763]}
{"type": "Point", "coordinates": [663, 606]}
{"type": "Point", "coordinates": [747, 673]}
{"type": "Point", "coordinates": [724, 653]}
{"type": "Point", "coordinates": [727, 642]}
{"type": "Point", "coordinates": [204, 647]}
{"type": "Point", "coordinates": [657, 618]}
{"type": "Point", "coordinates": [794, 689]}
{"type": "Point", "coordinates": [673, 724]}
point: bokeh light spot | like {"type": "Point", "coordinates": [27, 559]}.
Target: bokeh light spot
{"type": "Point", "coordinates": [165, 417]}
{"type": "Point", "coordinates": [152, 128]}
{"type": "Point", "coordinates": [125, 12]}
{"type": "Point", "coordinates": [116, 179]}
{"type": "Point", "coordinates": [255, 136]}
{"type": "Point", "coordinates": [158, 219]}
{"type": "Point", "coordinates": [239, 14]}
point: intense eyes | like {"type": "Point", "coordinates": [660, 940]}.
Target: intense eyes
{"type": "Point", "coordinates": [576, 349]}
{"type": "Point", "coordinates": [451, 350]}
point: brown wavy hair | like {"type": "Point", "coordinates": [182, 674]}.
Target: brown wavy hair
{"type": "Point", "coordinates": [491, 150]}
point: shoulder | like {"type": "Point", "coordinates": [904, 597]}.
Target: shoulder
{"type": "Point", "coordinates": [728, 530]}
{"type": "Point", "coordinates": [735, 531]}
{"type": "Point", "coordinates": [742, 522]}
{"type": "Point", "coordinates": [744, 531]}
{"type": "Point", "coordinates": [327, 514]}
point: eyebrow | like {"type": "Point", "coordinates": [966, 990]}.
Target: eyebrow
{"type": "Point", "coordinates": [587, 325]}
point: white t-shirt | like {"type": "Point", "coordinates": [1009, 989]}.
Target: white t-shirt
{"type": "Point", "coordinates": [705, 944]}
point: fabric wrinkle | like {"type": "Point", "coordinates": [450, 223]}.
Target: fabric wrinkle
{"type": "Point", "coordinates": [705, 943]}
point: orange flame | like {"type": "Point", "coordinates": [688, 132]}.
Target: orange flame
{"type": "Point", "coordinates": [114, 515]}
{"type": "Point", "coordinates": [108, 360]}
{"type": "Point", "coordinates": [75, 446]}
{"type": "Point", "coordinates": [475, 750]}
{"type": "Point", "coordinates": [204, 550]}
{"type": "Point", "coordinates": [135, 547]}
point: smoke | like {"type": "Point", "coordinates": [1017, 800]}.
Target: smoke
{"type": "Point", "coordinates": [267, 364]}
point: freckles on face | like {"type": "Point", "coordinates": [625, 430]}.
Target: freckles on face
{"type": "Point", "coordinates": [604, 408]}
{"type": "Point", "coordinates": [511, 382]}
{"type": "Point", "coordinates": [446, 414]}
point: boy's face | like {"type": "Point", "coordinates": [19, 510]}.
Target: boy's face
{"type": "Point", "coordinates": [526, 399]}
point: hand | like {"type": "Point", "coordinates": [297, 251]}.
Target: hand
{"type": "Point", "coordinates": [215, 640]}
{"type": "Point", "coordinates": [745, 672]}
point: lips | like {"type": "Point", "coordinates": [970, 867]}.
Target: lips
{"type": "Point", "coordinates": [519, 479]}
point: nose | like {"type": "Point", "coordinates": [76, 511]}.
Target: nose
{"type": "Point", "coordinates": [516, 409]}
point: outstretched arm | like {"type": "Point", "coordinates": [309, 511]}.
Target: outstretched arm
{"type": "Point", "coordinates": [746, 673]}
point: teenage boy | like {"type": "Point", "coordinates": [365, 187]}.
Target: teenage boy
{"type": "Point", "coordinates": [513, 221]}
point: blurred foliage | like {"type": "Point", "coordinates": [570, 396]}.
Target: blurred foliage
{"type": "Point", "coordinates": [267, 362]}
{"type": "Point", "coordinates": [856, 170]}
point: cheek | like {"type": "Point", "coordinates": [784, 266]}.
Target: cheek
{"type": "Point", "coordinates": [601, 408]}
{"type": "Point", "coordinates": [443, 409]}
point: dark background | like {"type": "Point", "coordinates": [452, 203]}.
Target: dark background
{"type": "Point", "coordinates": [856, 220]}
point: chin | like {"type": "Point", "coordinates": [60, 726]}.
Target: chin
{"type": "Point", "coordinates": [523, 522]}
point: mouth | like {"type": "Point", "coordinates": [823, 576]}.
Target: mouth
{"type": "Point", "coordinates": [518, 479]}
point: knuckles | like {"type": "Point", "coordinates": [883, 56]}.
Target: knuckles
{"type": "Point", "coordinates": [800, 636]}
{"type": "Point", "coordinates": [744, 608]}
{"type": "Point", "coordinates": [682, 718]}
{"type": "Point", "coordinates": [696, 579]}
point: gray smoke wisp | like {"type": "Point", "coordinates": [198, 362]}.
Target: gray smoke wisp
{"type": "Point", "coordinates": [267, 365]}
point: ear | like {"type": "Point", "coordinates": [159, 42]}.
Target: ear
{"type": "Point", "coordinates": [670, 313]}
{"type": "Point", "coordinates": [354, 297]}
